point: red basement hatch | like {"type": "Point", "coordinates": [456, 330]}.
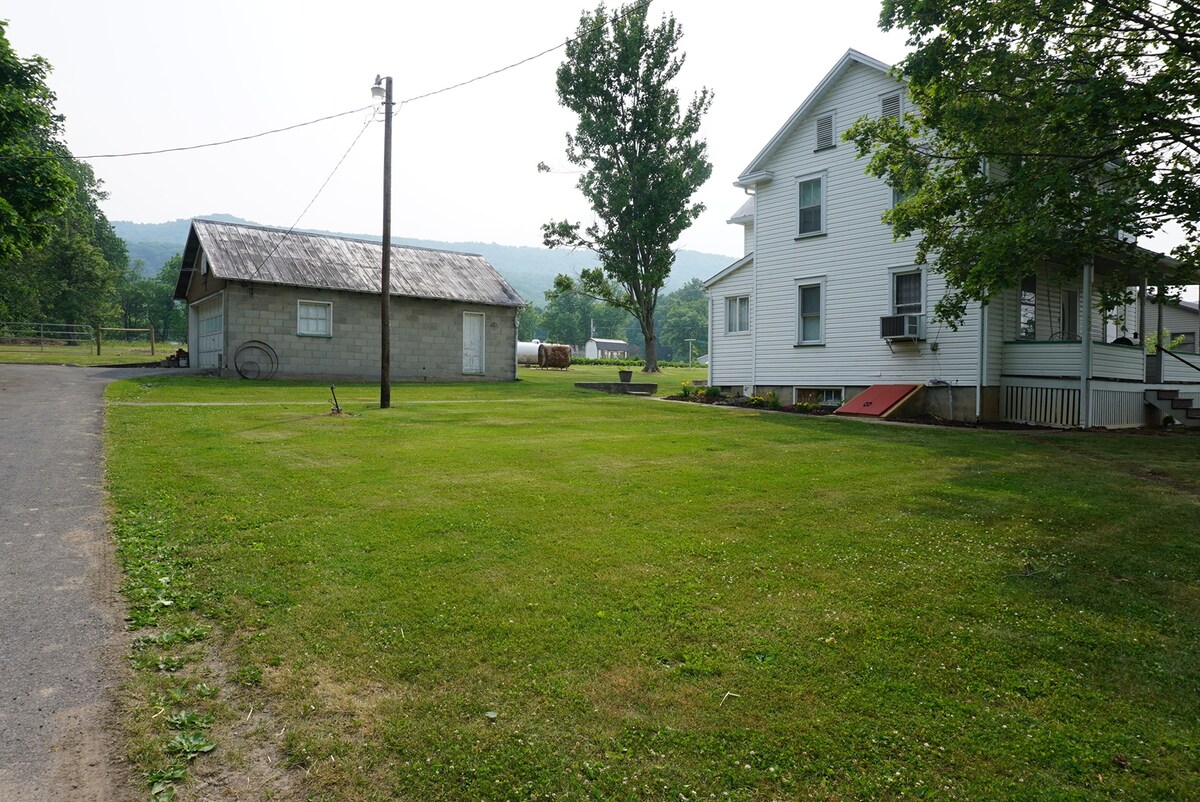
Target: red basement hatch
{"type": "Point", "coordinates": [877, 400]}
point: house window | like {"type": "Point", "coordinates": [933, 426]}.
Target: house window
{"type": "Point", "coordinates": [825, 131]}
{"type": "Point", "coordinates": [1028, 319]}
{"type": "Point", "coordinates": [889, 106]}
{"type": "Point", "coordinates": [825, 396]}
{"type": "Point", "coordinates": [1069, 315]}
{"type": "Point", "coordinates": [810, 193]}
{"type": "Point", "coordinates": [737, 314]}
{"type": "Point", "coordinates": [906, 293]}
{"type": "Point", "coordinates": [810, 328]}
{"type": "Point", "coordinates": [314, 318]}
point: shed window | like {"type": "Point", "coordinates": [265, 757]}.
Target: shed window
{"type": "Point", "coordinates": [314, 318]}
{"type": "Point", "coordinates": [737, 314]}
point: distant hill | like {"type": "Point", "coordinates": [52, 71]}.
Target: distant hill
{"type": "Point", "coordinates": [530, 270]}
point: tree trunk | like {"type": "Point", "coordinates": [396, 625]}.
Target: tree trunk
{"type": "Point", "coordinates": [647, 324]}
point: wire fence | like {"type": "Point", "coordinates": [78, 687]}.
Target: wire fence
{"type": "Point", "coordinates": [31, 338]}
{"type": "Point", "coordinates": [27, 336]}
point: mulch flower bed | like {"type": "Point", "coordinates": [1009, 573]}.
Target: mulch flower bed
{"type": "Point", "coordinates": [751, 402]}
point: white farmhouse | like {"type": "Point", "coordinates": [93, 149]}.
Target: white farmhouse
{"type": "Point", "coordinates": [825, 305]}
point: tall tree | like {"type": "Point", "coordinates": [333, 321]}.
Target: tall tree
{"type": "Point", "coordinates": [641, 155]}
{"type": "Point", "coordinates": [569, 316]}
{"type": "Point", "coordinates": [34, 186]}
{"type": "Point", "coordinates": [1042, 131]}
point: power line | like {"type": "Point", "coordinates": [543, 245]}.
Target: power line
{"type": "Point", "coordinates": [523, 61]}
{"type": "Point", "coordinates": [194, 147]}
{"type": "Point", "coordinates": [329, 178]}
{"type": "Point", "coordinates": [284, 129]}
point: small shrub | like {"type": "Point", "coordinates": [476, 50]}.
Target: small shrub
{"type": "Point", "coordinates": [1169, 343]}
{"type": "Point", "coordinates": [712, 393]}
{"type": "Point", "coordinates": [756, 401]}
{"type": "Point", "coordinates": [772, 400]}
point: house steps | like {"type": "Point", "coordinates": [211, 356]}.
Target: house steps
{"type": "Point", "coordinates": [1168, 402]}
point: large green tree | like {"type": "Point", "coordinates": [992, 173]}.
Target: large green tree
{"type": "Point", "coordinates": [1041, 131]}
{"type": "Point", "coordinates": [641, 155]}
{"type": "Point", "coordinates": [569, 316]}
{"type": "Point", "coordinates": [34, 186]}
{"type": "Point", "coordinates": [74, 274]}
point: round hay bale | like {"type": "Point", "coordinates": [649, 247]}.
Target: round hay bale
{"type": "Point", "coordinates": [554, 356]}
{"type": "Point", "coordinates": [559, 357]}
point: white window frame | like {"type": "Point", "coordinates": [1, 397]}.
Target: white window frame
{"type": "Point", "coordinates": [817, 146]}
{"type": "Point", "coordinates": [300, 304]}
{"type": "Point", "coordinates": [904, 271]}
{"type": "Point", "coordinates": [804, 179]}
{"type": "Point", "coordinates": [799, 285]}
{"type": "Point", "coordinates": [734, 302]}
{"type": "Point", "coordinates": [840, 391]}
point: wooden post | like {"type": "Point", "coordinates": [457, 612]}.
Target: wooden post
{"type": "Point", "coordinates": [97, 339]}
{"type": "Point", "coordinates": [151, 339]}
{"type": "Point", "coordinates": [385, 281]}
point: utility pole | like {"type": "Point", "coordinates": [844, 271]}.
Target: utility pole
{"type": "Point", "coordinates": [385, 280]}
{"type": "Point", "coordinates": [690, 341]}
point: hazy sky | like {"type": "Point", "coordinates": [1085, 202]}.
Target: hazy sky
{"type": "Point", "coordinates": [147, 75]}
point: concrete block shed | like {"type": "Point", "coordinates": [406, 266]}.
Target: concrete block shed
{"type": "Point", "coordinates": [265, 302]}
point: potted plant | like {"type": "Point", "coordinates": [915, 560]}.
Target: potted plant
{"type": "Point", "coordinates": [626, 376]}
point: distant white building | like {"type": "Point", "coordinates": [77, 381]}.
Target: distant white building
{"type": "Point", "coordinates": [608, 349]}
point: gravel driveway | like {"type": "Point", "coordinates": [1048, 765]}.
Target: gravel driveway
{"type": "Point", "coordinates": [61, 633]}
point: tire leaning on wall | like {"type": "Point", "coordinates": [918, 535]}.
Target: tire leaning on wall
{"type": "Point", "coordinates": [255, 359]}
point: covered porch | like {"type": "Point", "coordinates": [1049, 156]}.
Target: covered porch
{"type": "Point", "coordinates": [1087, 372]}
{"type": "Point", "coordinates": [1098, 384]}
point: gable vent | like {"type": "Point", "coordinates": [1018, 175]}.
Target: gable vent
{"type": "Point", "coordinates": [889, 106]}
{"type": "Point", "coordinates": [825, 131]}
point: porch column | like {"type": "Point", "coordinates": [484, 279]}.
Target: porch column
{"type": "Point", "coordinates": [1085, 351]}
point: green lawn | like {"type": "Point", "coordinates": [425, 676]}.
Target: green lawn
{"type": "Point", "coordinates": [111, 353]}
{"type": "Point", "coordinates": [656, 600]}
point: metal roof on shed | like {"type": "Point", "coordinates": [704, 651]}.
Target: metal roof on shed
{"type": "Point", "coordinates": [238, 252]}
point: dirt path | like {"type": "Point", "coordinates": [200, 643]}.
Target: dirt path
{"type": "Point", "coordinates": [61, 633]}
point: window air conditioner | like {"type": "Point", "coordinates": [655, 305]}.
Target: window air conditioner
{"type": "Point", "coordinates": [902, 327]}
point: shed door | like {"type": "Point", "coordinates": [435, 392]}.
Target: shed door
{"type": "Point", "coordinates": [210, 324]}
{"type": "Point", "coordinates": [473, 342]}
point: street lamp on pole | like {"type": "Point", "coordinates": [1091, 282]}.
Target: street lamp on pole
{"type": "Point", "coordinates": [382, 90]}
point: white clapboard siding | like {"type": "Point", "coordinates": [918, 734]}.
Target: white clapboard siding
{"type": "Point", "coordinates": [853, 257]}
{"type": "Point", "coordinates": [1125, 362]}
{"type": "Point", "coordinates": [730, 354]}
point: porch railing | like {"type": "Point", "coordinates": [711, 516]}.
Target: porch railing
{"type": "Point", "coordinates": [1178, 369]}
{"type": "Point", "coordinates": [1060, 359]}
